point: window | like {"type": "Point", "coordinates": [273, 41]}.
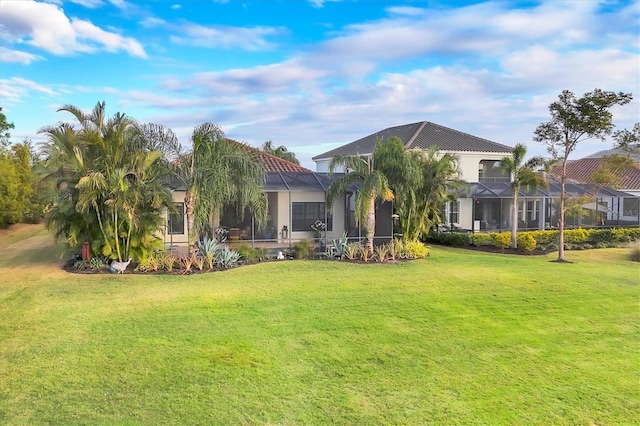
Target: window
{"type": "Point", "coordinates": [303, 215]}
{"type": "Point", "coordinates": [175, 221]}
{"type": "Point", "coordinates": [454, 207]}
{"type": "Point", "coordinates": [532, 210]}
{"type": "Point", "coordinates": [630, 206]}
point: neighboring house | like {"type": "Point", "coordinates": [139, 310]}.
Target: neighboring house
{"type": "Point", "coordinates": [611, 206]}
{"type": "Point", "coordinates": [478, 160]}
{"type": "Point", "coordinates": [296, 197]}
{"type": "Point", "coordinates": [487, 205]}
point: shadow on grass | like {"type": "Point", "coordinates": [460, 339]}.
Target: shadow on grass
{"type": "Point", "coordinates": [44, 255]}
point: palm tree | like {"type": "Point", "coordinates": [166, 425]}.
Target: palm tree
{"type": "Point", "coordinates": [523, 175]}
{"type": "Point", "coordinates": [421, 196]}
{"type": "Point", "coordinates": [216, 172]}
{"type": "Point", "coordinates": [107, 181]}
{"type": "Point", "coordinates": [280, 151]}
{"type": "Point", "coordinates": [370, 173]}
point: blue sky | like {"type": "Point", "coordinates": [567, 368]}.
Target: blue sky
{"type": "Point", "coordinates": [314, 74]}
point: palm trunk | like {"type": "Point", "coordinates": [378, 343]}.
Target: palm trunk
{"type": "Point", "coordinates": [514, 220]}
{"type": "Point", "coordinates": [371, 224]}
{"type": "Point", "coordinates": [117, 234]}
{"type": "Point", "coordinates": [190, 204]}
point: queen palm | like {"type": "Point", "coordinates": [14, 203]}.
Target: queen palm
{"type": "Point", "coordinates": [215, 172]}
{"type": "Point", "coordinates": [371, 174]}
{"type": "Point", "coordinates": [522, 175]}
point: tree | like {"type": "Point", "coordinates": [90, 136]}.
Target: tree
{"type": "Point", "coordinates": [108, 184]}
{"type": "Point", "coordinates": [216, 172]}
{"type": "Point", "coordinates": [281, 152]}
{"type": "Point", "coordinates": [431, 181]}
{"type": "Point", "coordinates": [4, 130]}
{"type": "Point", "coordinates": [369, 173]}
{"type": "Point", "coordinates": [522, 175]}
{"type": "Point", "coordinates": [574, 120]}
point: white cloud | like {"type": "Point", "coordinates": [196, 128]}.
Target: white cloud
{"type": "Point", "coordinates": [225, 37]}
{"type": "Point", "coordinates": [320, 3]}
{"type": "Point", "coordinates": [16, 89]}
{"type": "Point", "coordinates": [45, 26]}
{"type": "Point", "coordinates": [8, 55]}
{"type": "Point", "coordinates": [89, 4]}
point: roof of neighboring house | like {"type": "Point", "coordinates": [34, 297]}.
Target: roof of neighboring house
{"type": "Point", "coordinates": [634, 153]}
{"type": "Point", "coordinates": [504, 190]}
{"type": "Point", "coordinates": [583, 169]}
{"type": "Point", "coordinates": [277, 164]}
{"type": "Point", "coordinates": [298, 181]}
{"type": "Point", "coordinates": [421, 135]}
{"type": "Point", "coordinates": [271, 162]}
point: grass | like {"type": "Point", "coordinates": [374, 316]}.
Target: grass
{"type": "Point", "coordinates": [460, 338]}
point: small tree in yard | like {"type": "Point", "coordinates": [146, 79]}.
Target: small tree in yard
{"type": "Point", "coordinates": [574, 120]}
{"type": "Point", "coordinates": [522, 175]}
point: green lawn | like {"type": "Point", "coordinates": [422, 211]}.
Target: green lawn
{"type": "Point", "coordinates": [460, 338]}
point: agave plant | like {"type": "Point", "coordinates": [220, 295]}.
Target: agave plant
{"type": "Point", "coordinates": [227, 258]}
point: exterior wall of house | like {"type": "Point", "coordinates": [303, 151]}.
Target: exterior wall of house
{"type": "Point", "coordinates": [167, 237]}
{"type": "Point", "coordinates": [469, 162]}
{"type": "Point", "coordinates": [285, 198]}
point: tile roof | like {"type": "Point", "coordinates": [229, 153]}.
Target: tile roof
{"type": "Point", "coordinates": [273, 164]}
{"type": "Point", "coordinates": [423, 135]}
{"type": "Point", "coordinates": [582, 170]}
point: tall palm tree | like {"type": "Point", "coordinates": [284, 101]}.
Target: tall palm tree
{"type": "Point", "coordinates": [370, 173]}
{"type": "Point", "coordinates": [420, 197]}
{"type": "Point", "coordinates": [522, 175]}
{"type": "Point", "coordinates": [215, 172]}
{"type": "Point", "coordinates": [280, 151]}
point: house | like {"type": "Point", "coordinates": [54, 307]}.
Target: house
{"type": "Point", "coordinates": [487, 205]}
{"type": "Point", "coordinates": [296, 200]}
{"type": "Point", "coordinates": [615, 207]}
{"type": "Point", "coordinates": [478, 160]}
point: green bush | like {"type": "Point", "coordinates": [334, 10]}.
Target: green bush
{"type": "Point", "coordinates": [302, 249]}
{"type": "Point", "coordinates": [526, 242]}
{"type": "Point", "coordinates": [456, 239]}
{"type": "Point", "coordinates": [481, 240]}
{"type": "Point", "coordinates": [635, 252]}
{"type": "Point", "coordinates": [501, 240]}
{"type": "Point", "coordinates": [248, 253]}
{"type": "Point", "coordinates": [575, 236]}
{"type": "Point", "coordinates": [415, 250]}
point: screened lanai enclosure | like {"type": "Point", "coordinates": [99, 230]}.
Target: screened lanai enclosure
{"type": "Point", "coordinates": [587, 207]}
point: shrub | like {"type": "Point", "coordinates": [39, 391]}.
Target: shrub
{"type": "Point", "coordinates": [365, 253]}
{"type": "Point", "coordinates": [415, 250]}
{"type": "Point", "coordinates": [602, 236]}
{"type": "Point", "coordinates": [97, 263]}
{"type": "Point", "coordinates": [456, 239]}
{"type": "Point", "coordinates": [481, 239]}
{"type": "Point", "coordinates": [526, 242]}
{"type": "Point", "coordinates": [501, 240]}
{"type": "Point", "coordinates": [227, 258]}
{"type": "Point", "coordinates": [635, 252]}
{"type": "Point", "coordinates": [575, 236]}
{"type": "Point", "coordinates": [381, 252]}
{"type": "Point", "coordinates": [393, 249]}
{"type": "Point", "coordinates": [352, 250]}
{"type": "Point", "coordinates": [248, 253]}
{"type": "Point", "coordinates": [302, 249]}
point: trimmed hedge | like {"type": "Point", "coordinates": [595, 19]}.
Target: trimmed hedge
{"type": "Point", "coordinates": [574, 239]}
